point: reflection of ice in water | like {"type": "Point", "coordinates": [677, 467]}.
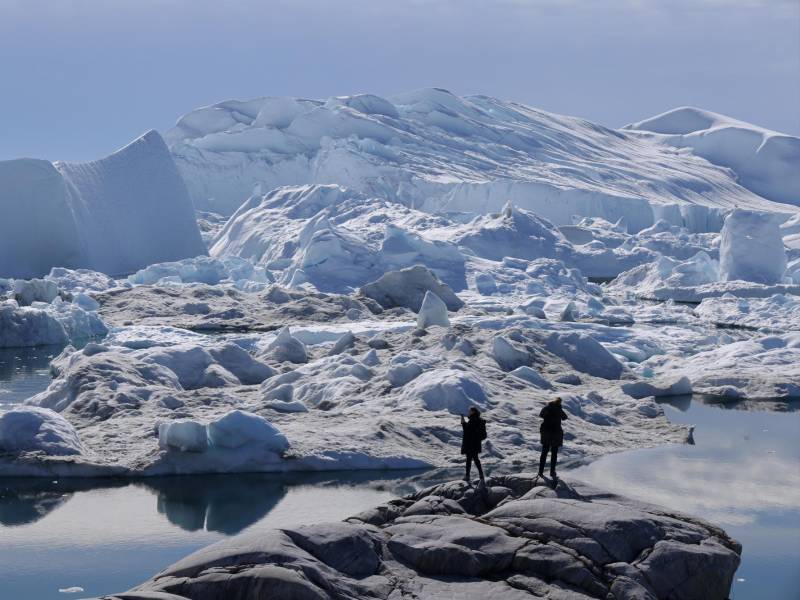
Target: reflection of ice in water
{"type": "Point", "coordinates": [735, 470]}
{"type": "Point", "coordinates": [57, 534]}
{"type": "Point", "coordinates": [743, 473]}
{"type": "Point", "coordinates": [24, 372]}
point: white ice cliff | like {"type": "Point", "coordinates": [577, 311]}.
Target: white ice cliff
{"type": "Point", "coordinates": [115, 215]}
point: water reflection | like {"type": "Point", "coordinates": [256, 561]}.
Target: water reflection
{"type": "Point", "coordinates": [220, 503]}
{"type": "Point", "coordinates": [25, 371]}
{"type": "Point", "coordinates": [106, 535]}
{"type": "Point", "coordinates": [216, 505]}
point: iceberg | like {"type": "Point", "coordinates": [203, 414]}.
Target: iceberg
{"type": "Point", "coordinates": [751, 248]}
{"type": "Point", "coordinates": [114, 215]}
{"type": "Point", "coordinates": [433, 150]}
{"type": "Point", "coordinates": [764, 161]}
{"type": "Point", "coordinates": [47, 324]}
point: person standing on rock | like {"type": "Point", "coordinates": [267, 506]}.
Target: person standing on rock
{"type": "Point", "coordinates": [474, 433]}
{"type": "Point", "coordinates": [552, 435]}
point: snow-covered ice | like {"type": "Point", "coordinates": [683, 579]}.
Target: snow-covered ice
{"type": "Point", "coordinates": [765, 367]}
{"type": "Point", "coordinates": [388, 263]}
{"type": "Point", "coordinates": [432, 312]}
{"type": "Point", "coordinates": [408, 288]}
{"type": "Point", "coordinates": [764, 161]}
{"type": "Point", "coordinates": [238, 428]}
{"type": "Point", "coordinates": [779, 312]}
{"type": "Point", "coordinates": [26, 292]}
{"type": "Point", "coordinates": [751, 248]}
{"type": "Point", "coordinates": [32, 429]}
{"type": "Point", "coordinates": [430, 148]}
{"type": "Point", "coordinates": [184, 435]}
{"type": "Point", "coordinates": [286, 347]}
{"type": "Point", "coordinates": [140, 400]}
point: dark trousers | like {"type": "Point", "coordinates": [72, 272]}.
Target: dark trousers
{"type": "Point", "coordinates": [553, 450]}
{"type": "Point", "coordinates": [473, 457]}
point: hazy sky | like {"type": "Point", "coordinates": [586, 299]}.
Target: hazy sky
{"type": "Point", "coordinates": [80, 78]}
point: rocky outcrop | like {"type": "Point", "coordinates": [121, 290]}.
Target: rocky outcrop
{"type": "Point", "coordinates": [517, 538]}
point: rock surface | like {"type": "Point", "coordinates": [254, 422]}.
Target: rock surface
{"type": "Point", "coordinates": [517, 538]}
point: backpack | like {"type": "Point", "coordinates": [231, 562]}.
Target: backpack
{"type": "Point", "coordinates": [482, 431]}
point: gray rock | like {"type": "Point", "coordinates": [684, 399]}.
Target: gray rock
{"type": "Point", "coordinates": [550, 562]}
{"type": "Point", "coordinates": [346, 547]}
{"type": "Point", "coordinates": [702, 571]}
{"type": "Point", "coordinates": [573, 542]}
{"type": "Point", "coordinates": [452, 545]}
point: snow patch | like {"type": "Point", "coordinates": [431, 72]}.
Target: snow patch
{"type": "Point", "coordinates": [35, 429]}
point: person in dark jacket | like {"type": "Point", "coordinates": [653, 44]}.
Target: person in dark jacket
{"type": "Point", "coordinates": [552, 434]}
{"type": "Point", "coordinates": [474, 432]}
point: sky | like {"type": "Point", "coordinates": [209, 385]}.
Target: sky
{"type": "Point", "coordinates": [81, 78]}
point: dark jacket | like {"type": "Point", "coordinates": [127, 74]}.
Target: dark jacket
{"type": "Point", "coordinates": [552, 433]}
{"type": "Point", "coordinates": [474, 431]}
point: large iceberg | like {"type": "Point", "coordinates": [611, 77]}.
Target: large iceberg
{"type": "Point", "coordinates": [437, 151]}
{"type": "Point", "coordinates": [764, 161]}
{"type": "Point", "coordinates": [114, 215]}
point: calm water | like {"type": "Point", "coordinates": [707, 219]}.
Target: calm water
{"type": "Point", "coordinates": [24, 372]}
{"type": "Point", "coordinates": [743, 473]}
{"type": "Point", "coordinates": [107, 536]}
